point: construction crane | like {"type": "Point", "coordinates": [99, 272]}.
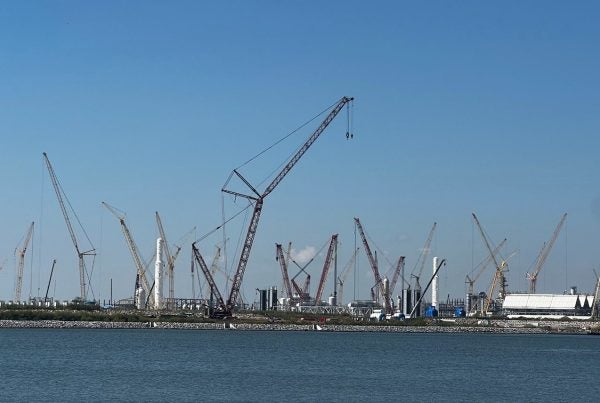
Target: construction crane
{"type": "Point", "coordinates": [482, 266]}
{"type": "Point", "coordinates": [399, 269]}
{"type": "Point", "coordinates": [373, 262]}
{"type": "Point", "coordinates": [80, 254]}
{"type": "Point", "coordinates": [50, 280]}
{"type": "Point", "coordinates": [214, 266]}
{"type": "Point", "coordinates": [498, 274]}
{"type": "Point", "coordinates": [423, 258]}
{"type": "Point", "coordinates": [258, 200]}
{"type": "Point", "coordinates": [541, 259]}
{"type": "Point", "coordinates": [284, 271]}
{"type": "Point", "coordinates": [328, 259]}
{"type": "Point", "coordinates": [214, 290]}
{"type": "Point", "coordinates": [21, 263]}
{"type": "Point", "coordinates": [135, 254]}
{"type": "Point", "coordinates": [344, 274]}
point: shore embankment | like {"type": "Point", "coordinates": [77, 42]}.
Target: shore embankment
{"type": "Point", "coordinates": [497, 326]}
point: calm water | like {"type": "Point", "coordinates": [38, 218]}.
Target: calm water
{"type": "Point", "coordinates": [179, 365]}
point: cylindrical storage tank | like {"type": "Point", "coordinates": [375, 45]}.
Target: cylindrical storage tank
{"type": "Point", "coordinates": [263, 299]}
{"type": "Point", "coordinates": [140, 298]}
{"type": "Point", "coordinates": [468, 302]}
{"type": "Point", "coordinates": [272, 303]}
{"type": "Point", "coordinates": [406, 301]}
{"type": "Point", "coordinates": [416, 296]}
{"type": "Point", "coordinates": [332, 301]}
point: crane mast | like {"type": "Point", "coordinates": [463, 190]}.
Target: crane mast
{"type": "Point", "coordinates": [258, 200]}
{"type": "Point", "coordinates": [284, 271]}
{"type": "Point", "coordinates": [498, 275]}
{"type": "Point", "coordinates": [423, 257]}
{"type": "Point", "coordinates": [135, 254]}
{"type": "Point", "coordinates": [345, 271]}
{"type": "Point", "coordinates": [483, 265]}
{"type": "Point", "coordinates": [532, 277]}
{"type": "Point", "coordinates": [80, 254]}
{"type": "Point", "coordinates": [399, 268]}
{"type": "Point", "coordinates": [21, 264]}
{"type": "Point", "coordinates": [210, 279]}
{"type": "Point", "coordinates": [214, 266]}
{"type": "Point", "coordinates": [50, 280]}
{"type": "Point", "coordinates": [326, 265]}
{"type": "Point", "coordinates": [374, 266]}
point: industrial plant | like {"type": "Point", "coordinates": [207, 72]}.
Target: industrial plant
{"type": "Point", "coordinates": [395, 293]}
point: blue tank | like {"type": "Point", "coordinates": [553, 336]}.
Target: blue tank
{"type": "Point", "coordinates": [431, 312]}
{"type": "Point", "coordinates": [459, 312]}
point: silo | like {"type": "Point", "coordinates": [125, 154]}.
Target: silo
{"type": "Point", "coordinates": [272, 303]}
{"type": "Point", "coordinates": [468, 302]}
{"type": "Point", "coordinates": [406, 301]}
{"type": "Point", "coordinates": [417, 308]}
{"type": "Point", "coordinates": [263, 299]}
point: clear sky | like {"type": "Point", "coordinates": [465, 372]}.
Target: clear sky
{"type": "Point", "coordinates": [460, 107]}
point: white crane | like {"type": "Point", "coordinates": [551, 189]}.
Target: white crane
{"type": "Point", "coordinates": [20, 251]}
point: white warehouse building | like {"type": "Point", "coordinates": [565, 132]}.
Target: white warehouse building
{"type": "Point", "coordinates": [550, 306]}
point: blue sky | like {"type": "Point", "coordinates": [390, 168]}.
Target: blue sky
{"type": "Point", "coordinates": [460, 107]}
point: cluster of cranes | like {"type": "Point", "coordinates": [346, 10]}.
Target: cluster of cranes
{"type": "Point", "coordinates": [501, 267]}
{"type": "Point", "coordinates": [224, 304]}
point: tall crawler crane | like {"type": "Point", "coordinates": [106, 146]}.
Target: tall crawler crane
{"type": "Point", "coordinates": [498, 274]}
{"type": "Point", "coordinates": [328, 259]}
{"type": "Point", "coordinates": [541, 259]}
{"type": "Point", "coordinates": [258, 199]}
{"type": "Point", "coordinates": [387, 301]}
{"type": "Point", "coordinates": [135, 253]}
{"type": "Point", "coordinates": [80, 253]}
{"type": "Point", "coordinates": [21, 263]}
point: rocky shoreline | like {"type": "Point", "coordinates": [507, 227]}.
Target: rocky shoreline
{"type": "Point", "coordinates": [499, 327]}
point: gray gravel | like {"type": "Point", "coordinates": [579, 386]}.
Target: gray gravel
{"type": "Point", "coordinates": [497, 326]}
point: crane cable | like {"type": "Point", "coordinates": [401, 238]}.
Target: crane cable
{"type": "Point", "coordinates": [287, 135]}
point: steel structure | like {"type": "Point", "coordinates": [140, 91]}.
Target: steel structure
{"type": "Point", "coordinates": [227, 307]}
{"type": "Point", "coordinates": [543, 255]}
{"type": "Point", "coordinates": [21, 262]}
{"type": "Point", "coordinates": [80, 254]}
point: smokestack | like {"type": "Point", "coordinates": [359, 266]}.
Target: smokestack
{"type": "Point", "coordinates": [435, 284]}
{"type": "Point", "coordinates": [158, 274]}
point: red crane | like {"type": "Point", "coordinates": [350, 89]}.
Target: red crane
{"type": "Point", "coordinates": [399, 269]}
{"type": "Point", "coordinates": [373, 262]}
{"type": "Point", "coordinates": [328, 260]}
{"type": "Point", "coordinates": [284, 271]}
{"type": "Point", "coordinates": [258, 200]}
